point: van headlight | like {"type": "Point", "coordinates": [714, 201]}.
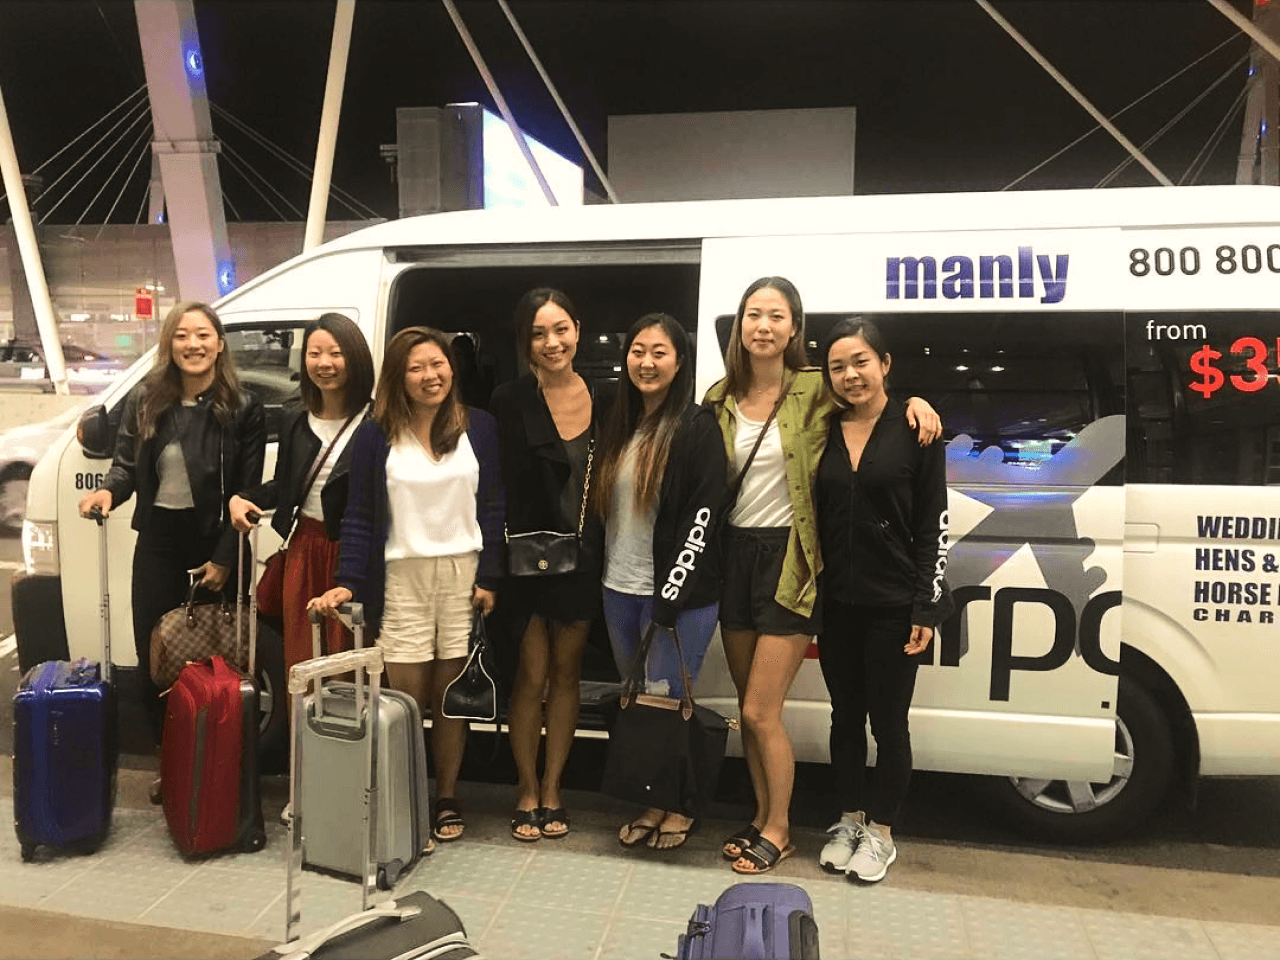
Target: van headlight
{"type": "Point", "coordinates": [40, 548]}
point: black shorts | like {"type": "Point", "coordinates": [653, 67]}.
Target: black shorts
{"type": "Point", "coordinates": [564, 598]}
{"type": "Point", "coordinates": [752, 562]}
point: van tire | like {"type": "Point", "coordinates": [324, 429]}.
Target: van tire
{"type": "Point", "coordinates": [273, 700]}
{"type": "Point", "coordinates": [1052, 810]}
{"type": "Point", "coordinates": [13, 496]}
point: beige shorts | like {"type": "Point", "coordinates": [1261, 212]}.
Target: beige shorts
{"type": "Point", "coordinates": [428, 608]}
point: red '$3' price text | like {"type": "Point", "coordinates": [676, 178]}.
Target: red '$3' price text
{"type": "Point", "coordinates": [1249, 352]}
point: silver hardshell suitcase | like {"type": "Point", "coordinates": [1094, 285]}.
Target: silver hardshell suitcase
{"type": "Point", "coordinates": [414, 927]}
{"type": "Point", "coordinates": [332, 781]}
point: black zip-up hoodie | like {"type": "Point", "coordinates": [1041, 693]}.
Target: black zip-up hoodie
{"type": "Point", "coordinates": [686, 549]}
{"type": "Point", "coordinates": [883, 528]}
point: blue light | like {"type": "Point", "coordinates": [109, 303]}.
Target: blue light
{"type": "Point", "coordinates": [226, 277]}
{"type": "Point", "coordinates": [1251, 70]}
{"type": "Point", "coordinates": [160, 217]}
{"type": "Point", "coordinates": [194, 63]}
{"type": "Point", "coordinates": [1264, 128]}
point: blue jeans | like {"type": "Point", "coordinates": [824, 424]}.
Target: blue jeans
{"type": "Point", "coordinates": [627, 615]}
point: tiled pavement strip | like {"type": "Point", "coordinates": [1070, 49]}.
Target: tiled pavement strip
{"type": "Point", "coordinates": [551, 899]}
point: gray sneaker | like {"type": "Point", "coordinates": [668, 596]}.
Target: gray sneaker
{"type": "Point", "coordinates": [870, 862]}
{"type": "Point", "coordinates": [844, 841]}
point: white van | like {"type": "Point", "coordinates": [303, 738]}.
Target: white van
{"type": "Point", "coordinates": [1105, 366]}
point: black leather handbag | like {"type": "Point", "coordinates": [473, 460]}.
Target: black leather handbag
{"type": "Point", "coordinates": [473, 694]}
{"type": "Point", "coordinates": [664, 752]}
{"type": "Point", "coordinates": [544, 553]}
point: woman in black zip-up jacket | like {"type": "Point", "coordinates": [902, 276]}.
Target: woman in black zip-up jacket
{"type": "Point", "coordinates": [309, 496]}
{"type": "Point", "coordinates": [662, 481]}
{"type": "Point", "coordinates": [882, 520]}
{"type": "Point", "coordinates": [187, 441]}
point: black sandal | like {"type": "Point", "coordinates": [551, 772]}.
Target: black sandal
{"type": "Point", "coordinates": [763, 855]}
{"type": "Point", "coordinates": [554, 815]}
{"type": "Point", "coordinates": [448, 814]}
{"type": "Point", "coordinates": [740, 841]}
{"type": "Point", "coordinates": [526, 818]}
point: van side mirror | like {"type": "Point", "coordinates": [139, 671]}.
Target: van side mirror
{"type": "Point", "coordinates": [96, 433]}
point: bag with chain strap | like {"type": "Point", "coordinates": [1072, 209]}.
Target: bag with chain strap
{"type": "Point", "coordinates": [544, 553]}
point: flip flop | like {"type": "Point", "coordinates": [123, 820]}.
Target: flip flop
{"type": "Point", "coordinates": [740, 841]}
{"type": "Point", "coordinates": [655, 839]}
{"type": "Point", "coordinates": [448, 814]}
{"type": "Point", "coordinates": [646, 832]}
{"type": "Point", "coordinates": [554, 815]}
{"type": "Point", "coordinates": [526, 818]}
{"type": "Point", "coordinates": [763, 855]}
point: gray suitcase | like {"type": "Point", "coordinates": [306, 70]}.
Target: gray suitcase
{"type": "Point", "coordinates": [416, 926]}
{"type": "Point", "coordinates": [332, 777]}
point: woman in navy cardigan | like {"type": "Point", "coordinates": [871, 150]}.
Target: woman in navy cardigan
{"type": "Point", "coordinates": [421, 542]}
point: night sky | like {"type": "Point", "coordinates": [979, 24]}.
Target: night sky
{"type": "Point", "coordinates": [946, 101]}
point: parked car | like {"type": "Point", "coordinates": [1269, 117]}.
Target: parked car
{"type": "Point", "coordinates": [20, 449]}
{"type": "Point", "coordinates": [87, 370]}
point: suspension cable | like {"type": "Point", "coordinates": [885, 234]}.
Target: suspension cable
{"type": "Point", "coordinates": [227, 200]}
{"type": "Point", "coordinates": [138, 142]}
{"type": "Point", "coordinates": [245, 177]}
{"type": "Point", "coordinates": [146, 195]}
{"type": "Point", "coordinates": [131, 114]}
{"type": "Point", "coordinates": [69, 144]}
{"type": "Point", "coordinates": [1193, 171]}
{"type": "Point", "coordinates": [227, 148]}
{"type": "Point", "coordinates": [351, 202]}
{"type": "Point", "coordinates": [142, 116]}
{"type": "Point", "coordinates": [1119, 113]}
{"type": "Point", "coordinates": [1176, 117]}
{"type": "Point", "coordinates": [146, 149]}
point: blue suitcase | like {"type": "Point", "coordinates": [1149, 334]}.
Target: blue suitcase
{"type": "Point", "coordinates": [64, 748]}
{"type": "Point", "coordinates": [753, 921]}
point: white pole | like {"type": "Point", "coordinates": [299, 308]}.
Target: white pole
{"type": "Point", "coordinates": [30, 252]}
{"type": "Point", "coordinates": [338, 50]}
{"type": "Point", "coordinates": [1079, 97]}
{"type": "Point", "coordinates": [1245, 24]}
{"type": "Point", "coordinates": [555, 95]}
{"type": "Point", "coordinates": [498, 99]}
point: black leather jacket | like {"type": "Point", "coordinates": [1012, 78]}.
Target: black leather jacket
{"type": "Point", "coordinates": [295, 457]}
{"type": "Point", "coordinates": [221, 459]}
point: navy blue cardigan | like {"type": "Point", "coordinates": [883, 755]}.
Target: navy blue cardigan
{"type": "Point", "coordinates": [367, 522]}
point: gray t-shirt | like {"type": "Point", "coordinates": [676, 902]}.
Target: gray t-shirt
{"type": "Point", "coordinates": [571, 494]}
{"type": "Point", "coordinates": [628, 533]}
{"type": "Point", "coordinates": [174, 489]}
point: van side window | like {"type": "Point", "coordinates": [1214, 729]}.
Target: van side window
{"type": "Point", "coordinates": [1204, 398]}
{"type": "Point", "coordinates": [266, 358]}
{"type": "Point", "coordinates": [1023, 384]}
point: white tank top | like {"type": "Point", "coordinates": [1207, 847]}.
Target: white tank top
{"type": "Point", "coordinates": [764, 500]}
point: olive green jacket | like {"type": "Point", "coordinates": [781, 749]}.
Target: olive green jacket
{"type": "Point", "coordinates": [803, 424]}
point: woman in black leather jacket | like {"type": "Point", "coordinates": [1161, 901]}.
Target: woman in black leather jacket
{"type": "Point", "coordinates": [187, 441]}
{"type": "Point", "coordinates": [336, 383]}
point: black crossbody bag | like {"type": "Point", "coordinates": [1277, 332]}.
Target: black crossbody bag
{"type": "Point", "coordinates": [544, 553]}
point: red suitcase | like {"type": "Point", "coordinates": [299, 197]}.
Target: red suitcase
{"type": "Point", "coordinates": [209, 753]}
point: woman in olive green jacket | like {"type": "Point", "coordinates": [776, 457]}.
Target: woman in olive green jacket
{"type": "Point", "coordinates": [769, 610]}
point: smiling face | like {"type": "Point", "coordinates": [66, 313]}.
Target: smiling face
{"type": "Point", "coordinates": [196, 346]}
{"type": "Point", "coordinates": [767, 324]}
{"type": "Point", "coordinates": [427, 376]}
{"type": "Point", "coordinates": [652, 363]}
{"type": "Point", "coordinates": [857, 372]}
{"type": "Point", "coordinates": [326, 367]}
{"type": "Point", "coordinates": [553, 339]}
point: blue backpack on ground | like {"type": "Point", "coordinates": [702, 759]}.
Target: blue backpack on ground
{"type": "Point", "coordinates": [753, 921]}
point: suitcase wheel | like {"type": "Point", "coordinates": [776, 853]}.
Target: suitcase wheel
{"type": "Point", "coordinates": [28, 852]}
{"type": "Point", "coordinates": [389, 873]}
{"type": "Point", "coordinates": [255, 841]}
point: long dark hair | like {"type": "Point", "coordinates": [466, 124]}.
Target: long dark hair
{"type": "Point", "coordinates": [527, 309]}
{"type": "Point", "coordinates": [162, 387]}
{"type": "Point", "coordinates": [391, 406]}
{"type": "Point", "coordinates": [655, 430]}
{"type": "Point", "coordinates": [737, 362]}
{"type": "Point", "coordinates": [355, 355]}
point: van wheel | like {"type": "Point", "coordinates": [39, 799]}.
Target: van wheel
{"type": "Point", "coordinates": [13, 497]}
{"type": "Point", "coordinates": [273, 701]}
{"type": "Point", "coordinates": [1083, 811]}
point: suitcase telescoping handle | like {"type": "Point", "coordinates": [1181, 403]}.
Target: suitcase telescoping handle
{"type": "Point", "coordinates": [251, 658]}
{"type": "Point", "coordinates": [365, 661]}
{"type": "Point", "coordinates": [104, 604]}
{"type": "Point", "coordinates": [351, 614]}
